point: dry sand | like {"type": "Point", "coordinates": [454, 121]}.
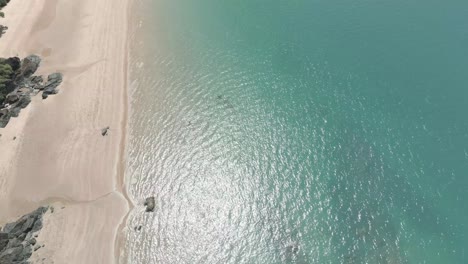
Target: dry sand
{"type": "Point", "coordinates": [59, 155]}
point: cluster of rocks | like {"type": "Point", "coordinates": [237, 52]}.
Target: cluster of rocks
{"type": "Point", "coordinates": [18, 239]}
{"type": "Point", "coordinates": [24, 85]}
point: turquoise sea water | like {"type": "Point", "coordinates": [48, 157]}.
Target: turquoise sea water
{"type": "Point", "coordinates": [299, 131]}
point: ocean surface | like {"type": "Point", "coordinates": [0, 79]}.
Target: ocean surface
{"type": "Point", "coordinates": [299, 131]}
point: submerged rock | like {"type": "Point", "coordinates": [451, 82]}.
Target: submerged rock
{"type": "Point", "coordinates": [150, 204]}
{"type": "Point", "coordinates": [292, 248]}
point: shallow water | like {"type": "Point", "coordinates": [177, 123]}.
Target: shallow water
{"type": "Point", "coordinates": [299, 132]}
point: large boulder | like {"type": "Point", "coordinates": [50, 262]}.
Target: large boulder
{"type": "Point", "coordinates": [29, 65]}
{"type": "Point", "coordinates": [53, 81]}
{"type": "Point", "coordinates": [19, 84]}
{"type": "Point", "coordinates": [12, 98]}
{"type": "Point", "coordinates": [32, 241]}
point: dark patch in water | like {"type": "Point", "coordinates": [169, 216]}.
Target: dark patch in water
{"type": "Point", "coordinates": [225, 101]}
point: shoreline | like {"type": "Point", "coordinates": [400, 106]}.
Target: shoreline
{"type": "Point", "coordinates": [89, 200]}
{"type": "Point", "coordinates": [121, 187]}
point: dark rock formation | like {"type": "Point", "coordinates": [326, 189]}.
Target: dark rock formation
{"type": "Point", "coordinates": [17, 238]}
{"type": "Point", "coordinates": [292, 248]}
{"type": "Point", "coordinates": [18, 84]}
{"type": "Point", "coordinates": [150, 204]}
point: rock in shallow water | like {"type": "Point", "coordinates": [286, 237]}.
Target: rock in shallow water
{"type": "Point", "coordinates": [150, 204]}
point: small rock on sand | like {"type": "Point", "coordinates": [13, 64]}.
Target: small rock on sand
{"type": "Point", "coordinates": [105, 131]}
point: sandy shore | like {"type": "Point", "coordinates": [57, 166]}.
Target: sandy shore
{"type": "Point", "coordinates": [59, 155]}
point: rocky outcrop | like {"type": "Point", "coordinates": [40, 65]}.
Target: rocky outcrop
{"type": "Point", "coordinates": [22, 84]}
{"type": "Point", "coordinates": [17, 239]}
{"type": "Point", "coordinates": [150, 204]}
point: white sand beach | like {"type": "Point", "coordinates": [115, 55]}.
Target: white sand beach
{"type": "Point", "coordinates": [59, 156]}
